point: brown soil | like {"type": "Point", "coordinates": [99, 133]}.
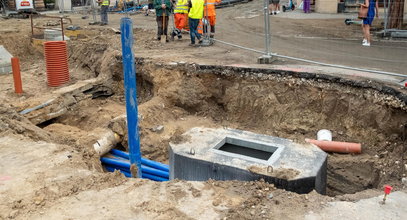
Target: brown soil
{"type": "Point", "coordinates": [58, 169]}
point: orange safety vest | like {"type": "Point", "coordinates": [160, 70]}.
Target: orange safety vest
{"type": "Point", "coordinates": [209, 9]}
{"type": "Point", "coordinates": [200, 27]}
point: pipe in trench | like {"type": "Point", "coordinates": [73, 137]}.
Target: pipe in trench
{"type": "Point", "coordinates": [149, 170]}
{"type": "Point", "coordinates": [106, 142]}
{"type": "Point", "coordinates": [336, 146]}
{"type": "Point", "coordinates": [28, 110]}
{"type": "Point", "coordinates": [112, 169]}
{"type": "Point", "coordinates": [144, 161]}
{"type": "Point", "coordinates": [113, 162]}
{"type": "Point", "coordinates": [152, 177]}
{"type": "Point", "coordinates": [126, 165]}
{"type": "Point", "coordinates": [126, 172]}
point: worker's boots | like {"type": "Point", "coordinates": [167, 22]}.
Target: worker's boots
{"type": "Point", "coordinates": [173, 34]}
{"type": "Point", "coordinates": [177, 33]}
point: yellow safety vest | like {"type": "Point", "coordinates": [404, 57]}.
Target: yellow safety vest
{"type": "Point", "coordinates": [196, 11]}
{"type": "Point", "coordinates": [105, 2]}
{"type": "Point", "coordinates": [182, 7]}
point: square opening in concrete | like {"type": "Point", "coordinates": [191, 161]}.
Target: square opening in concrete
{"type": "Point", "coordinates": [246, 148]}
{"type": "Point", "coordinates": [228, 154]}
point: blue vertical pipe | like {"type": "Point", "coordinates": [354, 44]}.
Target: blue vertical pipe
{"type": "Point", "coordinates": [129, 70]}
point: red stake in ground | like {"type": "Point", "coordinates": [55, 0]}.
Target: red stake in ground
{"type": "Point", "coordinates": [387, 190]}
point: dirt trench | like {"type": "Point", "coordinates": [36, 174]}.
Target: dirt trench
{"type": "Point", "coordinates": [279, 103]}
{"type": "Point", "coordinates": [291, 105]}
{"type": "Point", "coordinates": [296, 108]}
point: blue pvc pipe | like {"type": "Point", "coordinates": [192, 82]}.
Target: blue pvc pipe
{"type": "Point", "coordinates": [156, 165]}
{"type": "Point", "coordinates": [152, 177]}
{"type": "Point", "coordinates": [120, 153]}
{"type": "Point", "coordinates": [118, 168]}
{"type": "Point", "coordinates": [112, 169]}
{"type": "Point", "coordinates": [126, 171]}
{"type": "Point", "coordinates": [129, 70]}
{"type": "Point", "coordinates": [125, 165]}
{"type": "Point", "coordinates": [155, 172]}
{"type": "Point", "coordinates": [115, 163]}
{"type": "Point", "coordinates": [144, 175]}
{"type": "Point", "coordinates": [144, 161]}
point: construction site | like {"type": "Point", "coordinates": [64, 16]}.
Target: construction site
{"type": "Point", "coordinates": [282, 116]}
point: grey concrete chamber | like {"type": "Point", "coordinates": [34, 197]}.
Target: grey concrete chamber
{"type": "Point", "coordinates": [227, 154]}
{"type": "Point", "coordinates": [5, 61]}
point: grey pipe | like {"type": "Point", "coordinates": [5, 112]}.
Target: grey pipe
{"type": "Point", "coordinates": [385, 17]}
{"type": "Point", "coordinates": [45, 104]}
{"type": "Point", "coordinates": [267, 28]}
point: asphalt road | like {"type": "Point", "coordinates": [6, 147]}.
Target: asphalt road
{"type": "Point", "coordinates": [322, 38]}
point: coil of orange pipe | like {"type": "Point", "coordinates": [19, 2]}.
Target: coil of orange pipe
{"type": "Point", "coordinates": [56, 59]}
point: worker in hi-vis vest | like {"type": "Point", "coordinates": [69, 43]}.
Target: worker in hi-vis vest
{"type": "Point", "coordinates": [195, 14]}
{"type": "Point", "coordinates": [180, 17]}
{"type": "Point", "coordinates": [103, 12]}
{"type": "Point", "coordinates": [210, 15]}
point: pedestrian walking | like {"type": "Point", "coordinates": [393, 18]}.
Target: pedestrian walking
{"type": "Point", "coordinates": [195, 14]}
{"type": "Point", "coordinates": [162, 11]}
{"type": "Point", "coordinates": [373, 7]}
{"type": "Point", "coordinates": [307, 6]}
{"type": "Point", "coordinates": [274, 7]}
{"type": "Point", "coordinates": [149, 7]}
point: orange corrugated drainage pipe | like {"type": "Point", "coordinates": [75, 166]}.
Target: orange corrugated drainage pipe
{"type": "Point", "coordinates": [15, 66]}
{"type": "Point", "coordinates": [56, 59]}
{"type": "Point", "coordinates": [336, 146]}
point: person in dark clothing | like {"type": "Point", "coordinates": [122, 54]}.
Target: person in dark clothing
{"type": "Point", "coordinates": [149, 7]}
{"type": "Point", "coordinates": [103, 11]}
{"type": "Point", "coordinates": [162, 7]}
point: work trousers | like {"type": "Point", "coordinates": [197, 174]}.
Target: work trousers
{"type": "Point", "coordinates": [307, 6]}
{"type": "Point", "coordinates": [212, 27]}
{"type": "Point", "coordinates": [193, 29]}
{"type": "Point", "coordinates": [103, 14]}
{"type": "Point", "coordinates": [180, 20]}
{"type": "Point", "coordinates": [162, 28]}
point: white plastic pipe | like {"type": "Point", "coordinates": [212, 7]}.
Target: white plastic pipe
{"type": "Point", "coordinates": [324, 135]}
{"type": "Point", "coordinates": [104, 144]}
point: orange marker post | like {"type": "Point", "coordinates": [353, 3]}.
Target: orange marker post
{"type": "Point", "coordinates": [15, 65]}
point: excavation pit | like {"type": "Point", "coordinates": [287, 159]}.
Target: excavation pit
{"type": "Point", "coordinates": [292, 103]}
{"type": "Point", "coordinates": [228, 154]}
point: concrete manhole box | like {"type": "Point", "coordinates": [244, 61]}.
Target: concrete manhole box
{"type": "Point", "coordinates": [5, 61]}
{"type": "Point", "coordinates": [228, 154]}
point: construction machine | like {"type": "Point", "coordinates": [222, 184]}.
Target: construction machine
{"type": "Point", "coordinates": [17, 8]}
